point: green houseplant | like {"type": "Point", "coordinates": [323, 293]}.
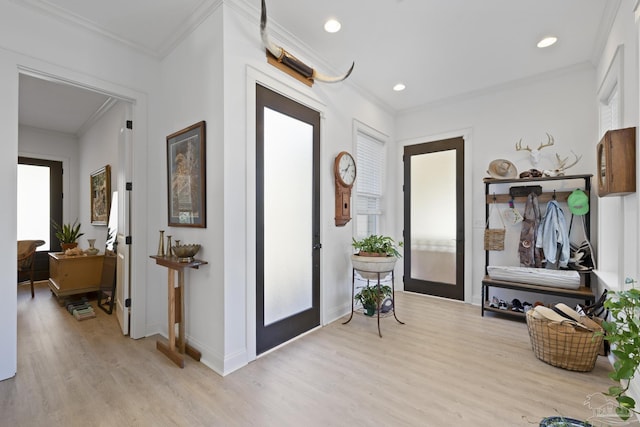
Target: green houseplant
{"type": "Point", "coordinates": [67, 234]}
{"type": "Point", "coordinates": [370, 297]}
{"type": "Point", "coordinates": [623, 333]}
{"type": "Point", "coordinates": [376, 254]}
{"type": "Point", "coordinates": [375, 245]}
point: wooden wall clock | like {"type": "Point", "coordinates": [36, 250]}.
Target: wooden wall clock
{"type": "Point", "coordinates": [344, 170]}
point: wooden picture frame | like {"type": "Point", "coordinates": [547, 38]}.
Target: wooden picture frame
{"type": "Point", "coordinates": [186, 177]}
{"type": "Point", "coordinates": [100, 195]}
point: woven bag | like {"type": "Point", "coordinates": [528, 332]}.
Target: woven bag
{"type": "Point", "coordinates": [494, 237]}
{"type": "Point", "coordinates": [563, 344]}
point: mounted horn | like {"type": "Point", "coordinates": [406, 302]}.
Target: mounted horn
{"type": "Point", "coordinates": [284, 57]}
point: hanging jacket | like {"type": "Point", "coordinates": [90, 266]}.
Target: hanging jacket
{"type": "Point", "coordinates": [529, 254]}
{"type": "Point", "coordinates": [553, 236]}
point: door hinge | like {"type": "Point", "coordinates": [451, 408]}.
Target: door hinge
{"type": "Point", "coordinates": [128, 186]}
{"type": "Point", "coordinates": [127, 302]}
{"type": "Point", "coordinates": [129, 124]}
{"type": "Point", "coordinates": [127, 240]}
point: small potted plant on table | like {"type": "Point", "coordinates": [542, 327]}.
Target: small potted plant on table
{"type": "Point", "coordinates": [67, 234]}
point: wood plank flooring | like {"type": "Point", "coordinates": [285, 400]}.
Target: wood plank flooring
{"type": "Point", "coordinates": [447, 366]}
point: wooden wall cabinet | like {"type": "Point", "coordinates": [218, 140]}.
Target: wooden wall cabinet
{"type": "Point", "coordinates": [71, 275]}
{"type": "Point", "coordinates": [616, 163]}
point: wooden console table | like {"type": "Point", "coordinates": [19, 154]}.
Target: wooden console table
{"type": "Point", "coordinates": [69, 275]}
{"type": "Point", "coordinates": [177, 345]}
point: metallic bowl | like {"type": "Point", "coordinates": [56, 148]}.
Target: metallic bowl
{"type": "Point", "coordinates": [185, 253]}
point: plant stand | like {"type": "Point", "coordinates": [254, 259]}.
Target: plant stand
{"type": "Point", "coordinates": [177, 345]}
{"type": "Point", "coordinates": [378, 275]}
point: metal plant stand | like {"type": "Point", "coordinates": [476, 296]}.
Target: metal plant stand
{"type": "Point", "coordinates": [378, 275]}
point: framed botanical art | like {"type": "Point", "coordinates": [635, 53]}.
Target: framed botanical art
{"type": "Point", "coordinates": [186, 177]}
{"type": "Point", "coordinates": [100, 195]}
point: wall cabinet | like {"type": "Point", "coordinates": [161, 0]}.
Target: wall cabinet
{"type": "Point", "coordinates": [584, 292]}
{"type": "Point", "coordinates": [616, 158]}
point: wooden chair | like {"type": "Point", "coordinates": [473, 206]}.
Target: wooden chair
{"type": "Point", "coordinates": [26, 259]}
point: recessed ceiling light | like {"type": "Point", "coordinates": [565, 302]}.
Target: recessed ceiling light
{"type": "Point", "coordinates": [332, 26]}
{"type": "Point", "coordinates": [399, 87]}
{"type": "Point", "coordinates": [547, 41]}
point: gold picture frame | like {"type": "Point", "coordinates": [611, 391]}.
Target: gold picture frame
{"type": "Point", "coordinates": [100, 195]}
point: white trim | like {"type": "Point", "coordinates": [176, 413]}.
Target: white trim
{"type": "Point", "coordinates": [466, 135]}
{"type": "Point", "coordinates": [613, 79]}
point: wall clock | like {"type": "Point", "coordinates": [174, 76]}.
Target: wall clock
{"type": "Point", "coordinates": [344, 171]}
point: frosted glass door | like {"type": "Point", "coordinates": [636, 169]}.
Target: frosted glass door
{"type": "Point", "coordinates": [433, 217]}
{"type": "Point", "coordinates": [287, 219]}
{"type": "Point", "coordinates": [288, 161]}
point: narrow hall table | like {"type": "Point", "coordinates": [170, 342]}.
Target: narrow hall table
{"type": "Point", "coordinates": [177, 345]}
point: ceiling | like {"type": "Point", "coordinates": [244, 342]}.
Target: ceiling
{"type": "Point", "coordinates": [440, 49]}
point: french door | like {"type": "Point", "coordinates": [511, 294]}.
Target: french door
{"type": "Point", "coordinates": [287, 219]}
{"type": "Point", "coordinates": [434, 218]}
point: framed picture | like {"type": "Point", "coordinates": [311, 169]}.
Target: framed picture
{"type": "Point", "coordinates": [186, 177]}
{"type": "Point", "coordinates": [100, 195]}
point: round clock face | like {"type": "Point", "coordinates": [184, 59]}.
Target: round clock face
{"type": "Point", "coordinates": [346, 169]}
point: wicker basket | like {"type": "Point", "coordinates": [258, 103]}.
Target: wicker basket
{"type": "Point", "coordinates": [494, 239]}
{"type": "Point", "coordinates": [564, 345]}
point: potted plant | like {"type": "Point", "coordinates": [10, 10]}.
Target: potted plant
{"type": "Point", "coordinates": [67, 234]}
{"type": "Point", "coordinates": [371, 296]}
{"type": "Point", "coordinates": [623, 333]}
{"type": "Point", "coordinates": [375, 254]}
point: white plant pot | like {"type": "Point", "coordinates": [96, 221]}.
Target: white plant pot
{"type": "Point", "coordinates": [369, 267]}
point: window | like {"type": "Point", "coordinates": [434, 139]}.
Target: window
{"type": "Point", "coordinates": [610, 112]}
{"type": "Point", "coordinates": [33, 204]}
{"type": "Point", "coordinates": [370, 164]}
{"type": "Point", "coordinates": [39, 200]}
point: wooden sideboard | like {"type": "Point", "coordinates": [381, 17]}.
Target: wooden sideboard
{"type": "Point", "coordinates": [71, 275]}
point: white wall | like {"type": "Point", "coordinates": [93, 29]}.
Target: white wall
{"type": "Point", "coordinates": [192, 90]}
{"type": "Point", "coordinates": [623, 251]}
{"type": "Point", "coordinates": [98, 147]}
{"type": "Point", "coordinates": [560, 103]}
{"type": "Point", "coordinates": [618, 224]}
{"type": "Point", "coordinates": [35, 42]}
{"type": "Point", "coordinates": [218, 87]}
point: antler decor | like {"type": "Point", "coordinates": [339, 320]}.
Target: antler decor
{"type": "Point", "coordinates": [562, 165]}
{"type": "Point", "coordinates": [289, 63]}
{"type": "Point", "coordinates": [534, 155]}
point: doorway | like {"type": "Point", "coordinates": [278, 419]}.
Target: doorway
{"type": "Point", "coordinates": [434, 218]}
{"type": "Point", "coordinates": [287, 219]}
{"type": "Point", "coordinates": [89, 115]}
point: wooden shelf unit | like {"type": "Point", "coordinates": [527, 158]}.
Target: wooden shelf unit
{"type": "Point", "coordinates": [583, 292]}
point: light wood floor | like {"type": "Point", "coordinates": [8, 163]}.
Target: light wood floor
{"type": "Point", "coordinates": [447, 366]}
